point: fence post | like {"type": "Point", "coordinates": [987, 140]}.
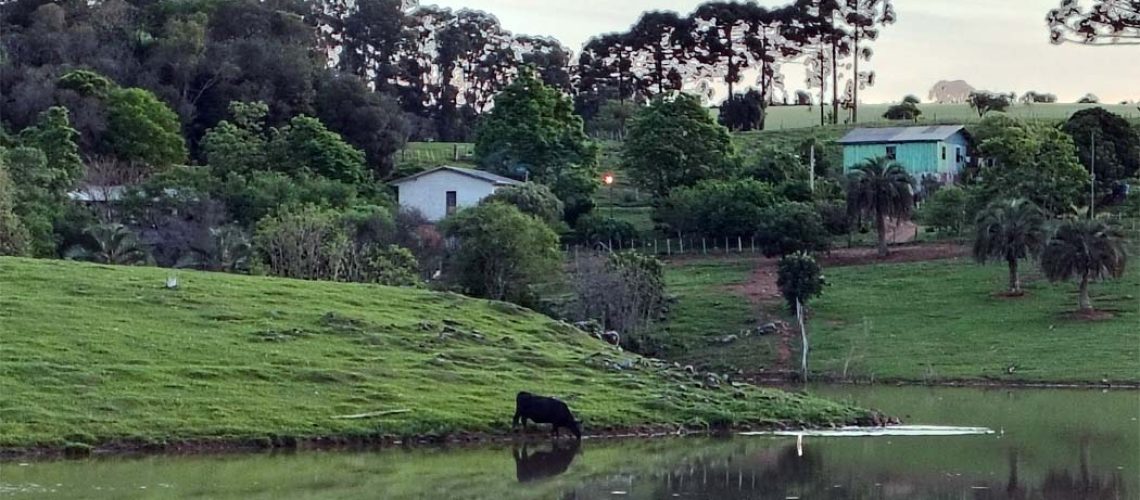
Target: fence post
{"type": "Point", "coordinates": [668, 247]}
{"type": "Point", "coordinates": [704, 248]}
{"type": "Point", "coordinates": [681, 241]}
{"type": "Point", "coordinates": [726, 245]}
{"type": "Point", "coordinates": [739, 245]}
{"type": "Point", "coordinates": [655, 247]}
{"type": "Point", "coordinates": [753, 240]}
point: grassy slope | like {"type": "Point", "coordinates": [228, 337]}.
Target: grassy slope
{"type": "Point", "coordinates": [792, 117]}
{"type": "Point", "coordinates": [94, 353]}
{"type": "Point", "coordinates": [940, 320]}
{"type": "Point", "coordinates": [920, 321]}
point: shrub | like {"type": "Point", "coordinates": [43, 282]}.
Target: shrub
{"type": "Point", "coordinates": [834, 216]}
{"type": "Point", "coordinates": [791, 227]}
{"type": "Point", "coordinates": [799, 278]}
{"type": "Point", "coordinates": [13, 235]}
{"type": "Point", "coordinates": [624, 291]}
{"type": "Point", "coordinates": [717, 208]}
{"type": "Point", "coordinates": [501, 252]}
{"type": "Point", "coordinates": [532, 199]}
{"type": "Point", "coordinates": [945, 210]}
{"type": "Point", "coordinates": [597, 229]}
{"type": "Point", "coordinates": [306, 243]}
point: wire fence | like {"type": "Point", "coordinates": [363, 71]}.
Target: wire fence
{"type": "Point", "coordinates": [667, 247]}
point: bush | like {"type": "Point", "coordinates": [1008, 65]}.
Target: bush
{"type": "Point", "coordinates": [306, 243]}
{"type": "Point", "coordinates": [799, 278]}
{"type": "Point", "coordinates": [796, 190]}
{"type": "Point", "coordinates": [905, 111]}
{"type": "Point", "coordinates": [945, 210]}
{"type": "Point", "coordinates": [717, 208]}
{"type": "Point", "coordinates": [835, 218]}
{"type": "Point", "coordinates": [532, 199]}
{"type": "Point", "coordinates": [501, 252]}
{"type": "Point", "coordinates": [389, 265]}
{"type": "Point", "coordinates": [791, 227]}
{"type": "Point", "coordinates": [624, 291]}
{"type": "Point", "coordinates": [14, 237]}
{"type": "Point", "coordinates": [597, 229]}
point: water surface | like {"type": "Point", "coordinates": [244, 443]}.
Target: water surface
{"type": "Point", "coordinates": [1047, 444]}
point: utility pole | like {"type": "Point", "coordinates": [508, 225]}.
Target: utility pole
{"type": "Point", "coordinates": [1092, 173]}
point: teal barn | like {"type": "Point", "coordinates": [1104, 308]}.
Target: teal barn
{"type": "Point", "coordinates": [938, 151]}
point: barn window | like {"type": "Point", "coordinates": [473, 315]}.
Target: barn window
{"type": "Point", "coordinates": [891, 153]}
{"type": "Point", "coordinates": [943, 152]}
{"type": "Point", "coordinates": [450, 202]}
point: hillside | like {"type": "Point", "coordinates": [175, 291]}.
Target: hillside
{"type": "Point", "coordinates": [96, 354]}
{"type": "Point", "coordinates": [792, 117]}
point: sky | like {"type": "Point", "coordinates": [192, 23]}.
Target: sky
{"type": "Point", "coordinates": [998, 45]}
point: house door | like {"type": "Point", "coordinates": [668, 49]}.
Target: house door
{"type": "Point", "coordinates": [450, 202]}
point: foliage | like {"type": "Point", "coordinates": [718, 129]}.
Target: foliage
{"type": "Point", "coordinates": [14, 236]}
{"type": "Point", "coordinates": [1088, 99]}
{"type": "Point", "coordinates": [501, 252]}
{"type": "Point", "coordinates": [945, 210]}
{"type": "Point", "coordinates": [251, 198]}
{"type": "Point", "coordinates": [905, 111]}
{"type": "Point", "coordinates": [1107, 22]}
{"type": "Point", "coordinates": [675, 143]}
{"type": "Point", "coordinates": [37, 199]}
{"type": "Point", "coordinates": [796, 190]}
{"type": "Point", "coordinates": [229, 250]}
{"type": "Point", "coordinates": [1034, 162]}
{"type": "Point", "coordinates": [1084, 249]}
{"type": "Point", "coordinates": [880, 188]}
{"type": "Point", "coordinates": [532, 130]}
{"type": "Point", "coordinates": [742, 112]}
{"type": "Point", "coordinates": [239, 146]}
{"type": "Point", "coordinates": [1034, 97]}
{"type": "Point", "coordinates": [1117, 144]}
{"type": "Point", "coordinates": [532, 199]}
{"type": "Point", "coordinates": [1010, 231]}
{"type": "Point", "coordinates": [306, 146]}
{"type": "Point", "coordinates": [143, 129]}
{"type": "Point", "coordinates": [612, 119]}
{"type": "Point", "coordinates": [791, 227]}
{"type": "Point", "coordinates": [984, 101]}
{"type": "Point", "coordinates": [717, 208]}
{"type": "Point", "coordinates": [623, 291]}
{"type": "Point", "coordinates": [54, 135]}
{"type": "Point", "coordinates": [369, 121]}
{"type": "Point", "coordinates": [834, 216]}
{"type": "Point", "coordinates": [306, 243]}
{"type": "Point", "coordinates": [775, 166]}
{"type": "Point", "coordinates": [911, 99]}
{"type": "Point", "coordinates": [109, 244]}
{"type": "Point", "coordinates": [595, 228]}
{"type": "Point", "coordinates": [390, 265]}
{"type": "Point", "coordinates": [799, 278]}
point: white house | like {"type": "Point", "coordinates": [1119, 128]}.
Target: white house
{"type": "Point", "coordinates": [441, 191]}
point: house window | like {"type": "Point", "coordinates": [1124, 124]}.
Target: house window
{"type": "Point", "coordinates": [450, 202]}
{"type": "Point", "coordinates": [943, 152]}
{"type": "Point", "coordinates": [891, 153]}
{"type": "Point", "coordinates": [958, 155]}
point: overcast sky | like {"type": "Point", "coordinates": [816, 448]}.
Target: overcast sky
{"type": "Point", "coordinates": [1000, 45]}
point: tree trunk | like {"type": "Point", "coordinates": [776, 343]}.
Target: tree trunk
{"type": "Point", "coordinates": [834, 83]}
{"type": "Point", "coordinates": [1014, 279]}
{"type": "Point", "coordinates": [881, 229]}
{"type": "Point", "coordinates": [855, 87]}
{"type": "Point", "coordinates": [1083, 296]}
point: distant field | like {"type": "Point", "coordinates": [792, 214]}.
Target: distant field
{"type": "Point", "coordinates": [791, 117]}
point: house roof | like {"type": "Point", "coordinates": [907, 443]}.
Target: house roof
{"type": "Point", "coordinates": [901, 134]}
{"type": "Point", "coordinates": [482, 175]}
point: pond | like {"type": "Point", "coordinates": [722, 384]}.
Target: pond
{"type": "Point", "coordinates": [1047, 443]}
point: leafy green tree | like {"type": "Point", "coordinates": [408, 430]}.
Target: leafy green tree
{"type": "Point", "coordinates": [742, 112]}
{"type": "Point", "coordinates": [238, 146]}
{"type": "Point", "coordinates": [676, 143]}
{"type": "Point", "coordinates": [306, 146]}
{"type": "Point", "coordinates": [303, 243]}
{"type": "Point", "coordinates": [53, 135]}
{"type": "Point", "coordinates": [532, 199]}
{"type": "Point", "coordinates": [911, 99]}
{"type": "Point", "coordinates": [880, 188]}
{"type": "Point", "coordinates": [86, 82]}
{"type": "Point", "coordinates": [36, 196]}
{"type": "Point", "coordinates": [774, 166]}
{"type": "Point", "coordinates": [502, 252]}
{"type": "Point", "coordinates": [143, 129]}
{"type": "Point", "coordinates": [791, 227]}
{"type": "Point", "coordinates": [532, 131]}
{"type": "Point", "coordinates": [390, 265]}
{"type": "Point", "coordinates": [250, 198]}
{"type": "Point", "coordinates": [1034, 162]}
{"type": "Point", "coordinates": [1084, 249]}
{"type": "Point", "coordinates": [1009, 230]}
{"type": "Point", "coordinates": [612, 119]}
{"type": "Point", "coordinates": [14, 236]}
{"type": "Point", "coordinates": [945, 210]}
{"type": "Point", "coordinates": [717, 208]}
{"type": "Point", "coordinates": [368, 120]}
{"type": "Point", "coordinates": [1117, 145]}
{"type": "Point", "coordinates": [109, 244]}
{"type": "Point", "coordinates": [905, 111]}
{"type": "Point", "coordinates": [799, 278]}
{"type": "Point", "coordinates": [984, 101]}
{"type": "Point", "coordinates": [594, 228]}
{"type": "Point", "coordinates": [834, 216]}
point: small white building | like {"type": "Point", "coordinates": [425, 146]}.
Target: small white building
{"type": "Point", "coordinates": [441, 191]}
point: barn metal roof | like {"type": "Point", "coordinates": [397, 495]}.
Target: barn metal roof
{"type": "Point", "coordinates": [900, 134]}
{"type": "Point", "coordinates": [470, 172]}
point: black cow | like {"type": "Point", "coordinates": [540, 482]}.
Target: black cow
{"type": "Point", "coordinates": [544, 410]}
{"type": "Point", "coordinates": [543, 464]}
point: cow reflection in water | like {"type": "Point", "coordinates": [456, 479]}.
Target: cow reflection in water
{"type": "Point", "coordinates": [544, 464]}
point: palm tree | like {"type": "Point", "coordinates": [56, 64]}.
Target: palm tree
{"type": "Point", "coordinates": [228, 250]}
{"type": "Point", "coordinates": [1084, 249]}
{"type": "Point", "coordinates": [880, 188]}
{"type": "Point", "coordinates": [108, 244]}
{"type": "Point", "coordinates": [1009, 230]}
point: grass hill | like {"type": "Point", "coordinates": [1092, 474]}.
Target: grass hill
{"type": "Point", "coordinates": [97, 354]}
{"type": "Point", "coordinates": [793, 117]}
